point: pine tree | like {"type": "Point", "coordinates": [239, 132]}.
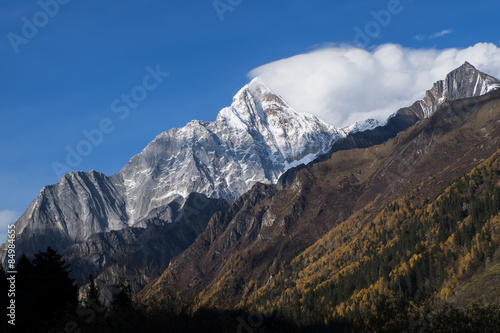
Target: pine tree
{"type": "Point", "coordinates": [123, 299]}
{"type": "Point", "coordinates": [53, 292]}
{"type": "Point", "coordinates": [24, 269]}
{"type": "Point", "coordinates": [4, 300]}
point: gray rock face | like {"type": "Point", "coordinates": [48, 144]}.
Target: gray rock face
{"type": "Point", "coordinates": [255, 140]}
{"type": "Point", "coordinates": [464, 82]}
{"type": "Point", "coordinates": [80, 205]}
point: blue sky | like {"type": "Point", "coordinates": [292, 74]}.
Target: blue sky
{"type": "Point", "coordinates": [62, 78]}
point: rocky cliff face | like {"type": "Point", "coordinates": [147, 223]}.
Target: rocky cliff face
{"type": "Point", "coordinates": [464, 82]}
{"type": "Point", "coordinates": [80, 205]}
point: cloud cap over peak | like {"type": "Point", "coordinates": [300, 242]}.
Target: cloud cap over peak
{"type": "Point", "coordinates": [345, 84]}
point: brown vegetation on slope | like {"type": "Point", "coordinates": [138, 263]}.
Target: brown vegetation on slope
{"type": "Point", "coordinates": [243, 249]}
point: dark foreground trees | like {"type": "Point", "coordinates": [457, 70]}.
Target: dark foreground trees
{"type": "Point", "coordinates": [44, 294]}
{"type": "Point", "coordinates": [46, 301]}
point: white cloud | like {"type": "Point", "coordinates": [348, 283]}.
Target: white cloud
{"type": "Point", "coordinates": [420, 38]}
{"type": "Point", "coordinates": [344, 84]}
{"type": "Point", "coordinates": [441, 33]}
{"type": "Point", "coordinates": [6, 217]}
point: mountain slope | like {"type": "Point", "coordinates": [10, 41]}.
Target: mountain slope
{"type": "Point", "coordinates": [244, 248]}
{"type": "Point", "coordinates": [415, 249]}
{"type": "Point", "coordinates": [140, 254]}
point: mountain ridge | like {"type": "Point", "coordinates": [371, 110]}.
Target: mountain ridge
{"type": "Point", "coordinates": [408, 116]}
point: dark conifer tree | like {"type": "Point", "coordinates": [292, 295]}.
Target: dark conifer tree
{"type": "Point", "coordinates": [4, 300]}
{"type": "Point", "coordinates": [122, 301]}
{"type": "Point", "coordinates": [25, 289]}
{"type": "Point", "coordinates": [54, 294]}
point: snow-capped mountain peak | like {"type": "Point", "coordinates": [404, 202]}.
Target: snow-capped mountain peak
{"type": "Point", "coordinates": [255, 139]}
